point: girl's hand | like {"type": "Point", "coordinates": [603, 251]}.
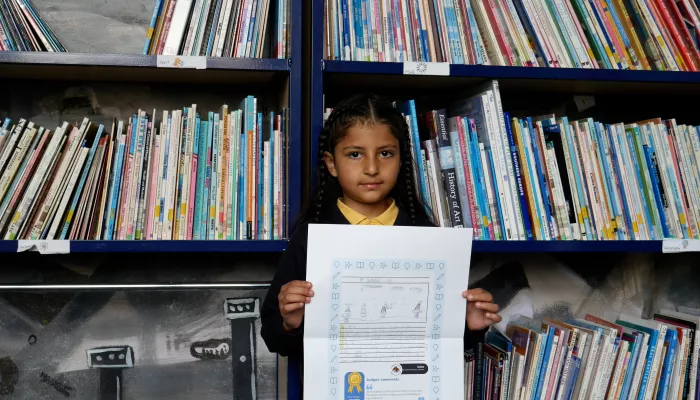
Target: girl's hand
{"type": "Point", "coordinates": [292, 298]}
{"type": "Point", "coordinates": [481, 311]}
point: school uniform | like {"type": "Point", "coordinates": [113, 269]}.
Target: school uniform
{"type": "Point", "coordinates": [293, 267]}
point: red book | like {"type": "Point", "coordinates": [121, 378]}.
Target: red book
{"type": "Point", "coordinates": [672, 26]}
{"type": "Point", "coordinates": [680, 19]}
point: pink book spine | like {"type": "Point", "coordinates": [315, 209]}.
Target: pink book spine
{"type": "Point", "coordinates": [125, 193]}
{"type": "Point", "coordinates": [551, 387]}
{"type": "Point", "coordinates": [468, 178]}
{"type": "Point", "coordinates": [152, 190]}
{"type": "Point", "coordinates": [193, 190]}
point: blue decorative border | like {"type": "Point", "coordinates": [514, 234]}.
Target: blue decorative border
{"type": "Point", "coordinates": [437, 274]}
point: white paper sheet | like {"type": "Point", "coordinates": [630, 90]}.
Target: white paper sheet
{"type": "Point", "coordinates": [387, 318]}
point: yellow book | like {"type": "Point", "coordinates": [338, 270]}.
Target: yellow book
{"type": "Point", "coordinates": [525, 168]}
{"type": "Point", "coordinates": [631, 33]}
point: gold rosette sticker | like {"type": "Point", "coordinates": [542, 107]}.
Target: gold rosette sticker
{"type": "Point", "coordinates": [354, 382]}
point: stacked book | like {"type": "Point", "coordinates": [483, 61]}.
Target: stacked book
{"type": "Point", "coordinates": [549, 178]}
{"type": "Point", "coordinates": [219, 176]}
{"type": "Point", "coordinates": [219, 28]}
{"type": "Point", "coordinates": [23, 29]}
{"type": "Point", "coordinates": [613, 34]}
{"type": "Point", "coordinates": [588, 358]}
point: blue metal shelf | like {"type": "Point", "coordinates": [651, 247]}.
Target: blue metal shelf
{"type": "Point", "coordinates": [165, 246]}
{"type": "Point", "coordinates": [134, 61]}
{"type": "Point", "coordinates": [567, 246]}
{"type": "Point", "coordinates": [499, 72]}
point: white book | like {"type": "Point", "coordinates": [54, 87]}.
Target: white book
{"type": "Point", "coordinates": [61, 179]}
{"type": "Point", "coordinates": [22, 232]}
{"type": "Point", "coordinates": [193, 28]}
{"type": "Point", "coordinates": [223, 31]}
{"type": "Point", "coordinates": [581, 388]}
{"type": "Point", "coordinates": [617, 370]}
{"type": "Point", "coordinates": [67, 194]}
{"type": "Point", "coordinates": [181, 212]}
{"type": "Point", "coordinates": [506, 163]}
{"type": "Point", "coordinates": [39, 176]}
{"type": "Point", "coordinates": [10, 144]}
{"type": "Point", "coordinates": [231, 194]}
{"type": "Point", "coordinates": [177, 27]}
{"type": "Point", "coordinates": [639, 368]}
{"type": "Point", "coordinates": [15, 160]}
{"type": "Point", "coordinates": [157, 227]}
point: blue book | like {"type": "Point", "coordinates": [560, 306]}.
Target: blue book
{"type": "Point", "coordinates": [212, 34]}
{"type": "Point", "coordinates": [518, 178]}
{"type": "Point", "coordinates": [541, 178]}
{"type": "Point", "coordinates": [409, 109]}
{"type": "Point", "coordinates": [115, 183]}
{"type": "Point", "coordinates": [479, 178]}
{"type": "Point", "coordinates": [654, 341]}
{"type": "Point", "coordinates": [636, 346]}
{"type": "Point", "coordinates": [543, 367]}
{"type": "Point", "coordinates": [615, 141]}
{"type": "Point", "coordinates": [200, 147]}
{"type": "Point", "coordinates": [650, 154]}
{"type": "Point", "coordinates": [667, 369]}
{"type": "Point", "coordinates": [204, 209]}
{"type": "Point", "coordinates": [151, 29]}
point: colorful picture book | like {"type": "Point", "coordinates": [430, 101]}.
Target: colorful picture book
{"type": "Point", "coordinates": [219, 28]}
{"type": "Point", "coordinates": [588, 358]}
{"type": "Point", "coordinates": [660, 35]}
{"type": "Point", "coordinates": [23, 29]}
{"type": "Point", "coordinates": [215, 176]}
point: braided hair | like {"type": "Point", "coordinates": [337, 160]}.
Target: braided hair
{"type": "Point", "coordinates": [365, 109]}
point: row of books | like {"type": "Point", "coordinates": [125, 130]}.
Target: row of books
{"type": "Point", "coordinates": [613, 34]}
{"type": "Point", "coordinates": [23, 29]}
{"type": "Point", "coordinates": [588, 358]}
{"type": "Point", "coordinates": [548, 178]}
{"type": "Point", "coordinates": [217, 177]}
{"type": "Point", "coordinates": [219, 28]}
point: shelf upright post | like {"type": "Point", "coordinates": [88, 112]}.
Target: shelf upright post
{"type": "Point", "coordinates": [295, 115]}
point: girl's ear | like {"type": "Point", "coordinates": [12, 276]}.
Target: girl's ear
{"type": "Point", "coordinates": [330, 163]}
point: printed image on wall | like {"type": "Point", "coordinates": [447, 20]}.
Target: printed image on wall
{"type": "Point", "coordinates": [197, 344]}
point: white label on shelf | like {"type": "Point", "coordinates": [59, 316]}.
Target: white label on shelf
{"type": "Point", "coordinates": [680, 245]}
{"type": "Point", "coordinates": [186, 62]}
{"type": "Point", "coordinates": [44, 246]}
{"type": "Point", "coordinates": [426, 68]}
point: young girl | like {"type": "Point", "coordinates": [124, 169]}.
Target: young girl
{"type": "Point", "coordinates": [365, 177]}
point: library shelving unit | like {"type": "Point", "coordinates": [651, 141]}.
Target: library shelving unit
{"type": "Point", "coordinates": [619, 96]}
{"type": "Point", "coordinates": [29, 75]}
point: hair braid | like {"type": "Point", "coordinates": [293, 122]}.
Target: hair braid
{"type": "Point", "coordinates": [408, 164]}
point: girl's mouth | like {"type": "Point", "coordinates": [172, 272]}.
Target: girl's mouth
{"type": "Point", "coordinates": [371, 186]}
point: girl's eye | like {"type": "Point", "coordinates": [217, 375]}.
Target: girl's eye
{"type": "Point", "coordinates": [354, 154]}
{"type": "Point", "coordinates": [386, 154]}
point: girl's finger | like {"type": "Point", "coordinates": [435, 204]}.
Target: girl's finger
{"type": "Point", "coordinates": [494, 317]}
{"type": "Point", "coordinates": [298, 290]}
{"type": "Point", "coordinates": [479, 295]}
{"type": "Point", "coordinates": [292, 307]}
{"type": "Point", "coordinates": [294, 298]}
{"type": "Point", "coordinates": [489, 307]}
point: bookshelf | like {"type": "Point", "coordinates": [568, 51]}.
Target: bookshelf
{"type": "Point", "coordinates": [224, 80]}
{"type": "Point", "coordinates": [521, 88]}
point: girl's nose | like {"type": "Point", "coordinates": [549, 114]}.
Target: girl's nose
{"type": "Point", "coordinates": [371, 166]}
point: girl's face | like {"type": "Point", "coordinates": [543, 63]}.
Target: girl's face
{"type": "Point", "coordinates": [366, 162]}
